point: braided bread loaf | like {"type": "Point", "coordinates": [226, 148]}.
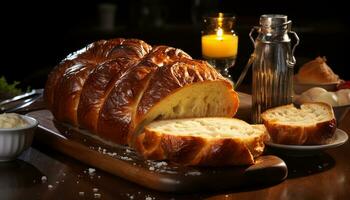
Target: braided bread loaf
{"type": "Point", "coordinates": [115, 87]}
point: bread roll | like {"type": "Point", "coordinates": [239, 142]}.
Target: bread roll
{"type": "Point", "coordinates": [316, 72]}
{"type": "Point", "coordinates": [312, 124]}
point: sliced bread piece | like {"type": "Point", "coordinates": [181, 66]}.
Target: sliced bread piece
{"type": "Point", "coordinates": [312, 124]}
{"type": "Point", "coordinates": [208, 141]}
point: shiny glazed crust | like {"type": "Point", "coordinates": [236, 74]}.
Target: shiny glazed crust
{"type": "Point", "coordinates": [65, 83]}
{"type": "Point", "coordinates": [110, 86]}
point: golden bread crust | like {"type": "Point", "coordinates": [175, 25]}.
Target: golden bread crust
{"type": "Point", "coordinates": [199, 151]}
{"type": "Point", "coordinates": [109, 86]}
{"type": "Point", "coordinates": [316, 72]}
{"type": "Point", "coordinates": [321, 132]}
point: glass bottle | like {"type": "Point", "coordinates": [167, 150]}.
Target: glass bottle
{"type": "Point", "coordinates": [273, 62]}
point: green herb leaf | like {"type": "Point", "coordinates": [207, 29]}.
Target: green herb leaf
{"type": "Point", "coordinates": [9, 89]}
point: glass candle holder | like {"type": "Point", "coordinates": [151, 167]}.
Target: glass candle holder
{"type": "Point", "coordinates": [220, 42]}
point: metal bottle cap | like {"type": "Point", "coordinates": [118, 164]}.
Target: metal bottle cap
{"type": "Point", "coordinates": [274, 22]}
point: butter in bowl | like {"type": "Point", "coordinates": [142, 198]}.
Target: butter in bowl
{"type": "Point", "coordinates": [16, 134]}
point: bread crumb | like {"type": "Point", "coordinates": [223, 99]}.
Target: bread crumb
{"type": "Point", "coordinates": [125, 158]}
{"type": "Point", "coordinates": [43, 179]}
{"type": "Point", "coordinates": [161, 164]}
{"type": "Point", "coordinates": [99, 177]}
{"type": "Point", "coordinates": [193, 173]}
{"type": "Point", "coordinates": [95, 190]}
{"type": "Point", "coordinates": [151, 168]}
{"type": "Point", "coordinates": [91, 171]}
{"type": "Point", "coordinates": [81, 193]}
{"type": "Point", "coordinates": [77, 182]}
{"type": "Point", "coordinates": [226, 196]}
{"type": "Point", "coordinates": [50, 186]}
{"type": "Point", "coordinates": [112, 154]}
{"type": "Point", "coordinates": [97, 195]}
{"type": "Point", "coordinates": [128, 151]}
{"type": "Point", "coordinates": [57, 182]}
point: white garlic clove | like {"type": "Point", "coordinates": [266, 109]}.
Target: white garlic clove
{"type": "Point", "coordinates": [328, 97]}
{"type": "Point", "coordinates": [314, 92]}
{"type": "Point", "coordinates": [343, 97]}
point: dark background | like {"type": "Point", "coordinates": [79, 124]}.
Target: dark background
{"type": "Point", "coordinates": [36, 36]}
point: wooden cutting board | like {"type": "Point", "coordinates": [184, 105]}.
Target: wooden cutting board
{"type": "Point", "coordinates": [169, 177]}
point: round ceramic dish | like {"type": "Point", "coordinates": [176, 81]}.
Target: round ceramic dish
{"type": "Point", "coordinates": [307, 150]}
{"type": "Point", "coordinates": [13, 141]}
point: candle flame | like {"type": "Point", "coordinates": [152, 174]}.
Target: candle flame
{"type": "Point", "coordinates": [219, 34]}
{"type": "Point", "coordinates": [220, 19]}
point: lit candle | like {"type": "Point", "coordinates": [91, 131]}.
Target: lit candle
{"type": "Point", "coordinates": [219, 42]}
{"type": "Point", "coordinates": [219, 45]}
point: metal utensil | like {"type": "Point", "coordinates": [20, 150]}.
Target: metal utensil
{"type": "Point", "coordinates": [20, 101]}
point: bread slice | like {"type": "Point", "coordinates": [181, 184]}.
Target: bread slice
{"type": "Point", "coordinates": [313, 123]}
{"type": "Point", "coordinates": [214, 141]}
{"type": "Point", "coordinates": [184, 89]}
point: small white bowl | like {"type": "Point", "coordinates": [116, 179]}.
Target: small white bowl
{"type": "Point", "coordinates": [13, 141]}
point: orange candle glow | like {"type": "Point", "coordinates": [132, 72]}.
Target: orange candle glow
{"type": "Point", "coordinates": [219, 45]}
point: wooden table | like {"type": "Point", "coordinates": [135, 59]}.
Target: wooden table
{"type": "Point", "coordinates": [325, 176]}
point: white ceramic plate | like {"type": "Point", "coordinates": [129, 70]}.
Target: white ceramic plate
{"type": "Point", "coordinates": [306, 150]}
